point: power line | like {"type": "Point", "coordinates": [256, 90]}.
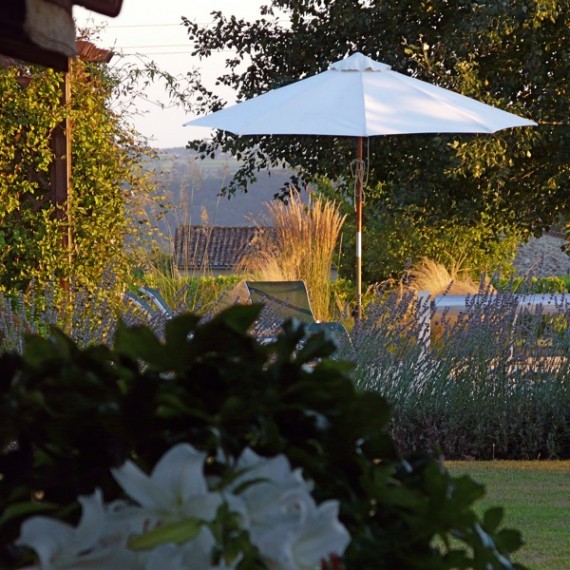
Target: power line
{"type": "Point", "coordinates": [179, 25]}
{"type": "Point", "coordinates": [211, 23]}
{"type": "Point", "coordinates": [143, 26]}
{"type": "Point", "coordinates": [147, 46]}
{"type": "Point", "coordinates": [119, 49]}
{"type": "Point", "coordinates": [158, 53]}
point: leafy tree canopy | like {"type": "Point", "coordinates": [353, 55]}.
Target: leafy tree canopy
{"type": "Point", "coordinates": [512, 54]}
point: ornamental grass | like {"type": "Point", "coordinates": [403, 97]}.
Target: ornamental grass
{"type": "Point", "coordinates": [303, 248]}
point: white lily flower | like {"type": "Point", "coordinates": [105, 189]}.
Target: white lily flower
{"type": "Point", "coordinates": [92, 545]}
{"type": "Point", "coordinates": [169, 526]}
{"type": "Point", "coordinates": [302, 545]}
{"type": "Point", "coordinates": [321, 534]}
{"type": "Point", "coordinates": [291, 532]}
{"type": "Point", "coordinates": [176, 489]}
{"type": "Point", "coordinates": [277, 469]}
{"type": "Point", "coordinates": [274, 485]}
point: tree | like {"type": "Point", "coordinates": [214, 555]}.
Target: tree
{"type": "Point", "coordinates": [107, 176]}
{"type": "Point", "coordinates": [511, 54]}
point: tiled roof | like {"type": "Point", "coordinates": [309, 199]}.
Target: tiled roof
{"type": "Point", "coordinates": [215, 247]}
{"type": "Point", "coordinates": [88, 51]}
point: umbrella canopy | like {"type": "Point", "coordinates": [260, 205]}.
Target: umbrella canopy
{"type": "Point", "coordinates": [360, 97]}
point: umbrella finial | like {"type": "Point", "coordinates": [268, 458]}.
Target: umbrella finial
{"type": "Point", "coordinates": [359, 62]}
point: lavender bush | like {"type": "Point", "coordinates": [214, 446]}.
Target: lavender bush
{"type": "Point", "coordinates": [490, 385]}
{"type": "Point", "coordinates": [87, 317]}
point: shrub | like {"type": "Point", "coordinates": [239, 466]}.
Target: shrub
{"type": "Point", "coordinates": [395, 238]}
{"type": "Point", "coordinates": [553, 284]}
{"type": "Point", "coordinates": [102, 220]}
{"type": "Point", "coordinates": [69, 414]}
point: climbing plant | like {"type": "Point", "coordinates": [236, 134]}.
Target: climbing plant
{"type": "Point", "coordinates": [107, 178]}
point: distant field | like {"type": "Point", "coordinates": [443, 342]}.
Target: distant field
{"type": "Point", "coordinates": [181, 157]}
{"type": "Point", "coordinates": [536, 498]}
{"type": "Point", "coordinates": [192, 188]}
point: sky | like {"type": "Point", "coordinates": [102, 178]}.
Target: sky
{"type": "Point", "coordinates": [153, 29]}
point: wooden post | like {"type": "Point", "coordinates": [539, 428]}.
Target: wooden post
{"type": "Point", "coordinates": [61, 171]}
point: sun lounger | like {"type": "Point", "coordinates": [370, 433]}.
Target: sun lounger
{"type": "Point", "coordinates": [150, 302]}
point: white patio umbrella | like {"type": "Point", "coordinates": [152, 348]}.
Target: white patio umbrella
{"type": "Point", "coordinates": [359, 97]}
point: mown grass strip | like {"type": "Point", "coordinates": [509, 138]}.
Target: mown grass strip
{"type": "Point", "coordinates": [536, 498]}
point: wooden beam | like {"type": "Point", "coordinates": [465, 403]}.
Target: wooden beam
{"type": "Point", "coordinates": [107, 7]}
{"type": "Point", "coordinates": [61, 170]}
{"type": "Point", "coordinates": [15, 39]}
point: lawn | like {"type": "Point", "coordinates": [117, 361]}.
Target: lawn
{"type": "Point", "coordinates": [536, 498]}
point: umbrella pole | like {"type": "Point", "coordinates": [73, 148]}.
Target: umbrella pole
{"type": "Point", "coordinates": [358, 208]}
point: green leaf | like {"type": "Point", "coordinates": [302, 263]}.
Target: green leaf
{"type": "Point", "coordinates": [141, 343]}
{"type": "Point", "coordinates": [176, 532]}
{"type": "Point", "coordinates": [466, 491]}
{"type": "Point", "coordinates": [509, 540]}
{"type": "Point", "coordinates": [178, 331]}
{"type": "Point", "coordinates": [238, 317]}
{"type": "Point", "coordinates": [38, 350]}
{"type": "Point", "coordinates": [492, 518]}
{"type": "Point", "coordinates": [20, 510]}
{"type": "Point", "coordinates": [316, 346]}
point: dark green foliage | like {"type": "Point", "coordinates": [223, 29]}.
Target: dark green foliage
{"type": "Point", "coordinates": [70, 414]}
{"type": "Point", "coordinates": [395, 240]}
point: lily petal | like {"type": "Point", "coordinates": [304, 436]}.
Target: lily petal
{"type": "Point", "coordinates": [92, 520]}
{"type": "Point", "coordinates": [176, 477]}
{"type": "Point", "coordinates": [95, 544]}
{"type": "Point", "coordinates": [139, 486]}
{"type": "Point", "coordinates": [301, 541]}
{"type": "Point", "coordinates": [182, 468]}
{"type": "Point", "coordinates": [321, 535]}
{"type": "Point", "coordinates": [176, 488]}
{"type": "Point", "coordinates": [47, 537]}
{"type": "Point", "coordinates": [204, 507]}
{"type": "Point", "coordinates": [273, 484]}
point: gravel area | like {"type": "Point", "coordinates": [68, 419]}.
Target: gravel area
{"type": "Point", "coordinates": [542, 257]}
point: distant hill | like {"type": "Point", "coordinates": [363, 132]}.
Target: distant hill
{"type": "Point", "coordinates": [192, 186]}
